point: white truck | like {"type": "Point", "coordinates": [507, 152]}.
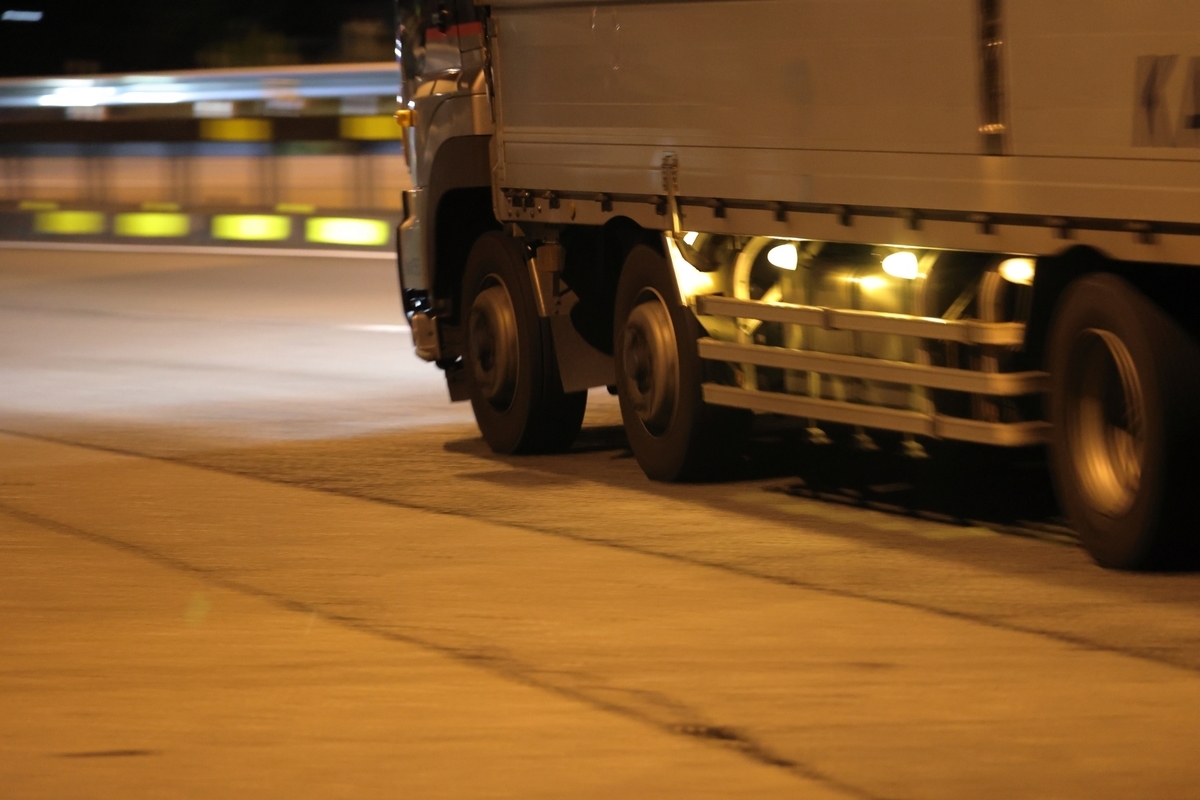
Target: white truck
{"type": "Point", "coordinates": [973, 220]}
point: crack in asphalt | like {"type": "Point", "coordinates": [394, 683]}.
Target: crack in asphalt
{"type": "Point", "coordinates": [483, 658]}
{"type": "Point", "coordinates": [109, 753]}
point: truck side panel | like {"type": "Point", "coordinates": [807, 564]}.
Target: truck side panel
{"type": "Point", "coordinates": [746, 74]}
{"type": "Point", "coordinates": [861, 103]}
{"type": "Point", "coordinates": [1104, 80]}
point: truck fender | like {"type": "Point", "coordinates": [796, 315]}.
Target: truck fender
{"type": "Point", "coordinates": [459, 207]}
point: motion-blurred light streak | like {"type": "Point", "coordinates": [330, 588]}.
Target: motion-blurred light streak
{"type": "Point", "coordinates": [69, 222]}
{"type": "Point", "coordinates": [153, 224]}
{"type": "Point", "coordinates": [369, 128]}
{"type": "Point", "coordinates": [251, 227]}
{"type": "Point", "coordinates": [345, 230]}
{"type": "Point", "coordinates": [235, 130]}
{"type": "Point", "coordinates": [16, 15]}
{"type": "Point", "coordinates": [78, 96]}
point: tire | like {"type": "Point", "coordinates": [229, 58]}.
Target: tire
{"type": "Point", "coordinates": [674, 434]}
{"type": "Point", "coordinates": [512, 373]}
{"type": "Point", "coordinates": [1125, 409]}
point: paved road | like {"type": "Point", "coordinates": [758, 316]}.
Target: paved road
{"type": "Point", "coordinates": [248, 548]}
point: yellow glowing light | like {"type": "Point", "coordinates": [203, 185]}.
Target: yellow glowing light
{"type": "Point", "coordinates": [151, 224]}
{"type": "Point", "coordinates": [690, 238]}
{"type": "Point", "coordinates": [73, 223]}
{"type": "Point", "coordinates": [345, 230]}
{"type": "Point", "coordinates": [784, 256]}
{"type": "Point", "coordinates": [1018, 270]}
{"type": "Point", "coordinates": [690, 280]}
{"type": "Point", "coordinates": [251, 227]}
{"type": "Point", "coordinates": [872, 282]}
{"type": "Point", "coordinates": [902, 264]}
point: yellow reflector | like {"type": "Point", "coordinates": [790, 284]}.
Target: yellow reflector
{"type": "Point", "coordinates": [406, 118]}
{"type": "Point", "coordinates": [160, 206]}
{"type": "Point", "coordinates": [344, 230]}
{"type": "Point", "coordinates": [235, 130]}
{"type": "Point", "coordinates": [37, 205]}
{"type": "Point", "coordinates": [251, 227]}
{"type": "Point", "coordinates": [295, 208]}
{"type": "Point", "coordinates": [69, 222]}
{"type": "Point", "coordinates": [151, 224]}
{"type": "Point", "coordinates": [369, 128]}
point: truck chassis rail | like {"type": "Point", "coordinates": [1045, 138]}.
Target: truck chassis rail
{"type": "Point", "coordinates": [1144, 231]}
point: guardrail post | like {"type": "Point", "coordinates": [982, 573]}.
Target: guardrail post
{"type": "Point", "coordinates": [13, 173]}
{"type": "Point", "coordinates": [95, 176]}
{"type": "Point", "coordinates": [363, 176]}
{"type": "Point", "coordinates": [181, 176]}
{"type": "Point", "coordinates": [268, 178]}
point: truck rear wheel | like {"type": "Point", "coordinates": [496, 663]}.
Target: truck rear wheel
{"type": "Point", "coordinates": [512, 374]}
{"type": "Point", "coordinates": [1124, 406]}
{"type": "Point", "coordinates": [673, 433]}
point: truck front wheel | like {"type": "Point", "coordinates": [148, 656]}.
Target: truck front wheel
{"type": "Point", "coordinates": [512, 373]}
{"type": "Point", "coordinates": [673, 433]}
{"type": "Point", "coordinates": [1125, 411]}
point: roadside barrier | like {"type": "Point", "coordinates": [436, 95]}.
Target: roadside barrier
{"type": "Point", "coordinates": [293, 225]}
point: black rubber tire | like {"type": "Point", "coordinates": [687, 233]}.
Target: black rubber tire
{"type": "Point", "coordinates": [700, 441]}
{"type": "Point", "coordinates": [540, 418]}
{"type": "Point", "coordinates": [1156, 526]}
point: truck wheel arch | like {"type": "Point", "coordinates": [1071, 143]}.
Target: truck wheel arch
{"type": "Point", "coordinates": [459, 196]}
{"type": "Point", "coordinates": [1053, 275]}
{"type": "Point", "coordinates": [594, 260]}
{"type": "Point", "coordinates": [1167, 285]}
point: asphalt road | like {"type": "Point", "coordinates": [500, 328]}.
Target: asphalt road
{"type": "Point", "coordinates": [248, 548]}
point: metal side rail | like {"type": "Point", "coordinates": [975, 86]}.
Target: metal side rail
{"type": "Point", "coordinates": [1018, 434]}
{"type": "Point", "coordinates": [997, 384]}
{"type": "Point", "coordinates": [964, 331]}
{"type": "Point", "coordinates": [971, 332]}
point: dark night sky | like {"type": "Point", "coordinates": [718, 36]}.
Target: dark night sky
{"type": "Point", "coordinates": [139, 35]}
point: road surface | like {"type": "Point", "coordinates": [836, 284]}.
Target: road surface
{"type": "Point", "coordinates": [248, 548]}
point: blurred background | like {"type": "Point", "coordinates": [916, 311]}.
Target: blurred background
{"type": "Point", "coordinates": [217, 122]}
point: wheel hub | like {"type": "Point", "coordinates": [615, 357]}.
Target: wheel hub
{"type": "Point", "coordinates": [493, 345]}
{"type": "Point", "coordinates": [651, 363]}
{"type": "Point", "coordinates": [1106, 413]}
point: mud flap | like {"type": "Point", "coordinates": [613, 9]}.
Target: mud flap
{"type": "Point", "coordinates": [580, 365]}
